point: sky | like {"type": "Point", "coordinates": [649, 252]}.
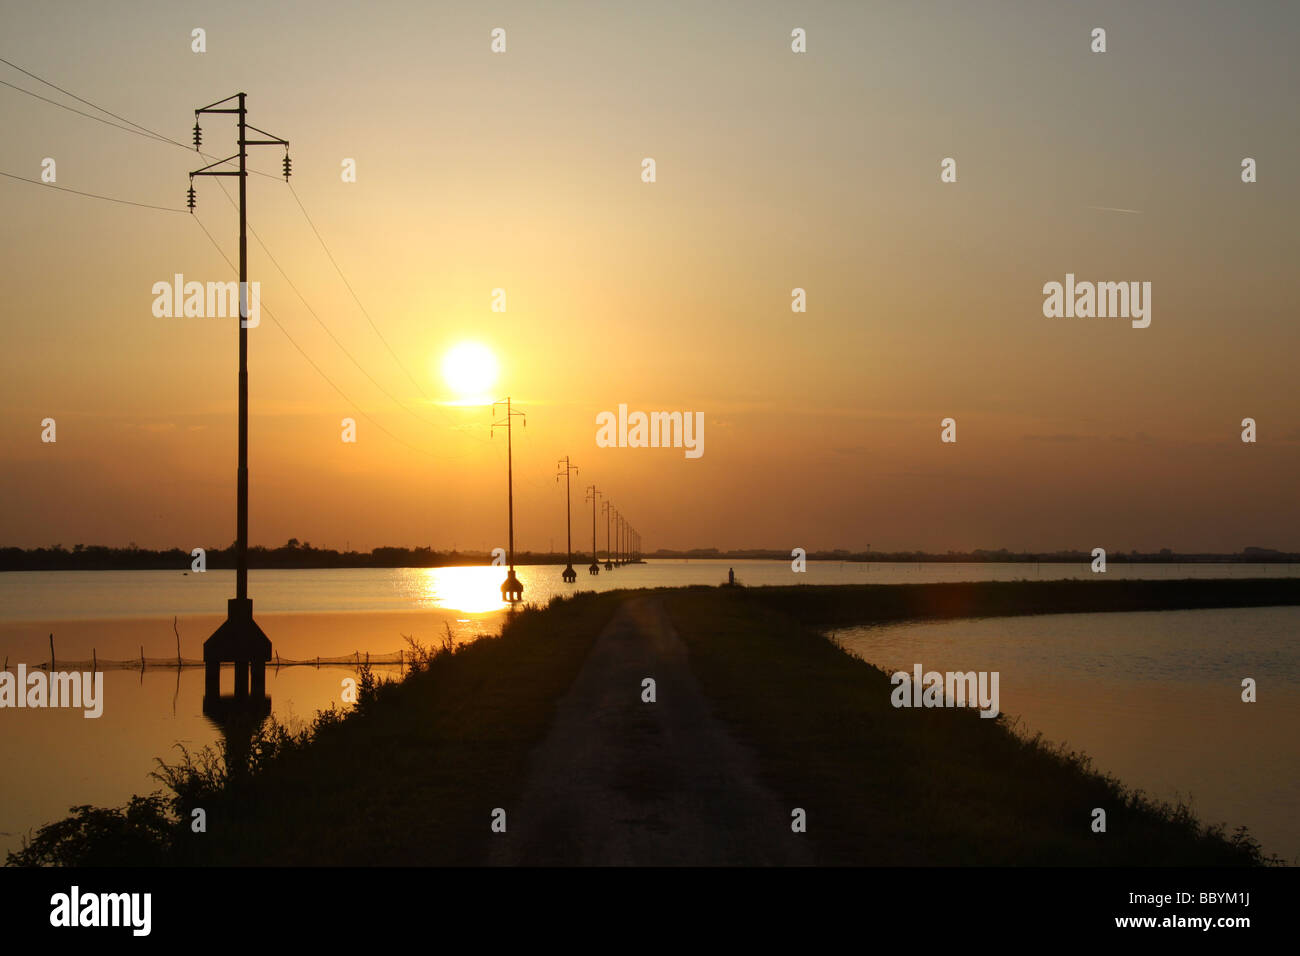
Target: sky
{"type": "Point", "coordinates": [775, 170]}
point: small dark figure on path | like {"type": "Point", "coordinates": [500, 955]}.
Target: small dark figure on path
{"type": "Point", "coordinates": [731, 576]}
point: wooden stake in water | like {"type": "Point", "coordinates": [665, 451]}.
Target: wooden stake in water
{"type": "Point", "coordinates": [51, 653]}
{"type": "Point", "coordinates": [178, 643]}
{"type": "Point", "coordinates": [94, 661]}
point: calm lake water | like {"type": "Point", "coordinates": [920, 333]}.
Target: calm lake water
{"type": "Point", "coordinates": [1127, 687]}
{"type": "Point", "coordinates": [1153, 697]}
{"type": "Point", "coordinates": [64, 595]}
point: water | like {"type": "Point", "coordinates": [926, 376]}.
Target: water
{"type": "Point", "coordinates": [68, 760]}
{"type": "Point", "coordinates": [1153, 697]}
{"type": "Point", "coordinates": [68, 595]}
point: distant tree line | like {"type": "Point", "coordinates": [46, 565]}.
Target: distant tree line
{"type": "Point", "coordinates": [295, 554]}
{"type": "Point", "coordinates": [292, 554]}
{"type": "Point", "coordinates": [981, 556]}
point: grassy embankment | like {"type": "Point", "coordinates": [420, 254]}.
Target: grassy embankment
{"type": "Point", "coordinates": [412, 776]}
{"type": "Point", "coordinates": [916, 786]}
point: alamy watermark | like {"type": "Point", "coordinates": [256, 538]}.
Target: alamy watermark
{"type": "Point", "coordinates": [951, 689]}
{"type": "Point", "coordinates": [179, 298]}
{"type": "Point", "coordinates": [1085, 300]}
{"type": "Point", "coordinates": [60, 689]}
{"type": "Point", "coordinates": [74, 908]}
{"type": "Point", "coordinates": [653, 430]}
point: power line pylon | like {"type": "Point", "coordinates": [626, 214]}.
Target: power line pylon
{"type": "Point", "coordinates": [238, 640]}
{"type": "Point", "coordinates": [608, 509]}
{"type": "Point", "coordinates": [569, 574]}
{"type": "Point", "coordinates": [592, 495]}
{"type": "Point", "coordinates": [511, 589]}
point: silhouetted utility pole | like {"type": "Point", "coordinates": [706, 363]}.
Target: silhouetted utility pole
{"type": "Point", "coordinates": [511, 589]}
{"type": "Point", "coordinates": [609, 564]}
{"type": "Point", "coordinates": [569, 575]}
{"type": "Point", "coordinates": [239, 639]}
{"type": "Point", "coordinates": [593, 495]}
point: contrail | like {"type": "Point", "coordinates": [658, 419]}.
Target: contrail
{"type": "Point", "coordinates": [1114, 209]}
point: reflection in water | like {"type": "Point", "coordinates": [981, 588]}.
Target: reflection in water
{"type": "Point", "coordinates": [237, 717]}
{"type": "Point", "coordinates": [474, 590]}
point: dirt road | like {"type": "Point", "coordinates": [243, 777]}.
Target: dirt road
{"type": "Point", "coordinates": [618, 781]}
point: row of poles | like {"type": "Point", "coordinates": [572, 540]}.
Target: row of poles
{"type": "Point", "coordinates": [622, 541]}
{"type": "Point", "coordinates": [239, 640]}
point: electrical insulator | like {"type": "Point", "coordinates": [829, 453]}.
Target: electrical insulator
{"type": "Point", "coordinates": [198, 137]}
{"type": "Point", "coordinates": [286, 167]}
{"type": "Point", "coordinates": [189, 199]}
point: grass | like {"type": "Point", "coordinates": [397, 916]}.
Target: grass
{"type": "Point", "coordinates": [851, 604]}
{"type": "Point", "coordinates": [913, 786]}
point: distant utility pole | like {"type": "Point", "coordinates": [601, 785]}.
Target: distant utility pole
{"type": "Point", "coordinates": [239, 639]}
{"type": "Point", "coordinates": [609, 565]}
{"type": "Point", "coordinates": [511, 589]}
{"type": "Point", "coordinates": [595, 564]}
{"type": "Point", "coordinates": [569, 575]}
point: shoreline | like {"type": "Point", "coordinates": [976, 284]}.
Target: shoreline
{"type": "Point", "coordinates": [414, 771]}
{"type": "Point", "coordinates": [295, 635]}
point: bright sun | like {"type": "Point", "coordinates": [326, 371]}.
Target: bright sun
{"type": "Point", "coordinates": [471, 370]}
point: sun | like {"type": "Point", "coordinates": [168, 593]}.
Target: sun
{"type": "Point", "coordinates": [470, 369]}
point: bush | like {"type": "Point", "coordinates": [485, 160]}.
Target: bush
{"type": "Point", "coordinates": [142, 833]}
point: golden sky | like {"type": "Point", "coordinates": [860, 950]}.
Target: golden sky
{"type": "Point", "coordinates": [775, 170]}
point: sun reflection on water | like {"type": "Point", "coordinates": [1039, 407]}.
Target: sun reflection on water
{"type": "Point", "coordinates": [475, 590]}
